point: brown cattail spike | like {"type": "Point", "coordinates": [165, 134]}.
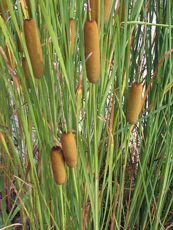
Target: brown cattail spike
{"type": "Point", "coordinates": [69, 149]}
{"type": "Point", "coordinates": [34, 47]}
{"type": "Point", "coordinates": [107, 10]}
{"type": "Point", "coordinates": [134, 103]}
{"type": "Point", "coordinates": [58, 165]}
{"type": "Point", "coordinates": [72, 27]}
{"type": "Point", "coordinates": [92, 51]}
{"type": "Point", "coordinates": [95, 10]}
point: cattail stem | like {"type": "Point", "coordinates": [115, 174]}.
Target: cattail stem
{"type": "Point", "coordinates": [24, 9]}
{"type": "Point", "coordinates": [95, 11]}
{"type": "Point", "coordinates": [89, 11]}
{"type": "Point", "coordinates": [62, 208]}
{"type": "Point", "coordinates": [96, 162]}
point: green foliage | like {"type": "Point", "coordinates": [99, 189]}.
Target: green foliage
{"type": "Point", "coordinates": [124, 176]}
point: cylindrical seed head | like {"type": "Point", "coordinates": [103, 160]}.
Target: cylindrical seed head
{"type": "Point", "coordinates": [58, 165]}
{"type": "Point", "coordinates": [34, 47]}
{"type": "Point", "coordinates": [69, 149]}
{"type": "Point", "coordinates": [92, 51]}
{"type": "Point", "coordinates": [134, 103]}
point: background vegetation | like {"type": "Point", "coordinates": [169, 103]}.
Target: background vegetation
{"type": "Point", "coordinates": [124, 176]}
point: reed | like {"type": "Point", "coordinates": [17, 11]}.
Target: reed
{"type": "Point", "coordinates": [124, 173]}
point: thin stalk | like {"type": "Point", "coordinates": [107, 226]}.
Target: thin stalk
{"type": "Point", "coordinates": [96, 160]}
{"type": "Point", "coordinates": [89, 11]}
{"type": "Point", "coordinates": [62, 208]}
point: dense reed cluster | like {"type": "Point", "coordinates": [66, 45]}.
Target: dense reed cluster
{"type": "Point", "coordinates": [86, 114]}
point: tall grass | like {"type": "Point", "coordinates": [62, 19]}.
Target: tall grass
{"type": "Point", "coordinates": [124, 174]}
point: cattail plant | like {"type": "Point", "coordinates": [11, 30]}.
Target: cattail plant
{"type": "Point", "coordinates": [69, 149]}
{"type": "Point", "coordinates": [124, 173]}
{"type": "Point", "coordinates": [134, 103]}
{"type": "Point", "coordinates": [58, 165]}
{"type": "Point", "coordinates": [92, 51]}
{"type": "Point", "coordinates": [34, 47]}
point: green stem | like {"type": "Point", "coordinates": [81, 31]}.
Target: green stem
{"type": "Point", "coordinates": [62, 208]}
{"type": "Point", "coordinates": [89, 11]}
{"type": "Point", "coordinates": [95, 161]}
{"type": "Point", "coordinates": [75, 184]}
